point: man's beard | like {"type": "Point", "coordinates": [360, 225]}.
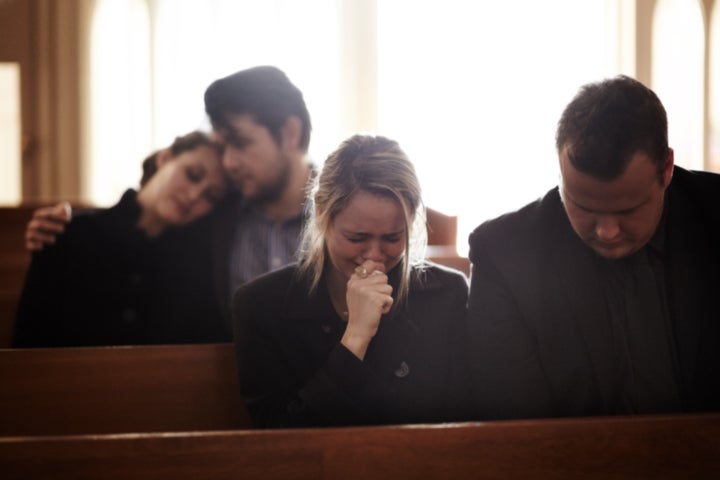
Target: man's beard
{"type": "Point", "coordinates": [273, 191]}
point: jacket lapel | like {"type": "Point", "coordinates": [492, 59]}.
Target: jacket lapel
{"type": "Point", "coordinates": [576, 284]}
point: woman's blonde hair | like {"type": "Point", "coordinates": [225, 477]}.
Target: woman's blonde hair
{"type": "Point", "coordinates": [363, 163]}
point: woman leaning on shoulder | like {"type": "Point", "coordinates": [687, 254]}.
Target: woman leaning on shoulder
{"type": "Point", "coordinates": [139, 272]}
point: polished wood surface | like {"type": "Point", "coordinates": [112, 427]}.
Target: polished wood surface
{"type": "Point", "coordinates": [441, 229]}
{"type": "Point", "coordinates": [442, 241]}
{"type": "Point", "coordinates": [14, 260]}
{"type": "Point", "coordinates": [66, 391]}
{"type": "Point", "coordinates": [674, 447]}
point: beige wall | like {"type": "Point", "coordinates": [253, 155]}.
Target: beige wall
{"type": "Point", "coordinates": [44, 36]}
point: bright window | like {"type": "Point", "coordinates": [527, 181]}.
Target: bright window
{"type": "Point", "coordinates": [150, 68]}
{"type": "Point", "coordinates": [120, 111]}
{"type": "Point", "coordinates": [677, 75]}
{"type": "Point", "coordinates": [714, 134]}
{"type": "Point", "coordinates": [196, 42]}
{"type": "Point", "coordinates": [10, 154]}
{"type": "Point", "coordinates": [473, 91]}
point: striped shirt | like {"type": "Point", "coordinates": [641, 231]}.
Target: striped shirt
{"type": "Point", "coordinates": [262, 244]}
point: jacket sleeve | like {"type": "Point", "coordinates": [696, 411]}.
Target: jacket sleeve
{"type": "Point", "coordinates": [458, 400]}
{"type": "Point", "coordinates": [37, 321]}
{"type": "Point", "coordinates": [342, 391]}
{"type": "Point", "coordinates": [347, 388]}
{"type": "Point", "coordinates": [507, 376]}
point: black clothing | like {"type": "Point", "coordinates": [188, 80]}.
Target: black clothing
{"type": "Point", "coordinates": [106, 283]}
{"type": "Point", "coordinates": [295, 372]}
{"type": "Point", "coordinates": [541, 332]}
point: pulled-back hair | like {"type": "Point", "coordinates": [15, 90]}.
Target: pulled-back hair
{"type": "Point", "coordinates": [264, 92]}
{"type": "Point", "coordinates": [610, 121]}
{"type": "Point", "coordinates": [371, 164]}
{"type": "Point", "coordinates": [183, 143]}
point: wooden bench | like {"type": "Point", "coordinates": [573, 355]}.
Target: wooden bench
{"type": "Point", "coordinates": [673, 447]}
{"type": "Point", "coordinates": [442, 241]}
{"type": "Point", "coordinates": [14, 260]}
{"type": "Point", "coordinates": [119, 389]}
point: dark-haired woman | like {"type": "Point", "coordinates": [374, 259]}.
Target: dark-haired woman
{"type": "Point", "coordinates": [138, 272]}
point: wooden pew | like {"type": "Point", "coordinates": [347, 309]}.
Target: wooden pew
{"type": "Point", "coordinates": [442, 241]}
{"type": "Point", "coordinates": [441, 228]}
{"type": "Point", "coordinates": [672, 447]}
{"type": "Point", "coordinates": [119, 389]}
{"type": "Point", "coordinates": [8, 309]}
{"type": "Point", "coordinates": [14, 260]}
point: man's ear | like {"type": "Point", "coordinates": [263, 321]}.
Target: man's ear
{"type": "Point", "coordinates": [668, 168]}
{"type": "Point", "coordinates": [291, 132]}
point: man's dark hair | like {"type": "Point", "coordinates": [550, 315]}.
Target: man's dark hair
{"type": "Point", "coordinates": [264, 92]}
{"type": "Point", "coordinates": [610, 121]}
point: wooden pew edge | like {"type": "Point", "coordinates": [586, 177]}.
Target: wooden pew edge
{"type": "Point", "coordinates": [598, 448]}
{"type": "Point", "coordinates": [710, 419]}
{"type": "Point", "coordinates": [119, 389]}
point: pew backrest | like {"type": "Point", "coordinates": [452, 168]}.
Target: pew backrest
{"type": "Point", "coordinates": [66, 391]}
{"type": "Point", "coordinates": [442, 231]}
{"type": "Point", "coordinates": [676, 447]}
{"type": "Point", "coordinates": [14, 260]}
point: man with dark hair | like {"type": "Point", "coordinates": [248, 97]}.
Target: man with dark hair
{"type": "Point", "coordinates": [260, 119]}
{"type": "Point", "coordinates": [264, 92]}
{"type": "Point", "coordinates": [601, 297]}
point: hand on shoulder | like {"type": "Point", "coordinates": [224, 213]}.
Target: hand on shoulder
{"type": "Point", "coordinates": [46, 224]}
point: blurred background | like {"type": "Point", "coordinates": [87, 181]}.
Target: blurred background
{"type": "Point", "coordinates": [472, 89]}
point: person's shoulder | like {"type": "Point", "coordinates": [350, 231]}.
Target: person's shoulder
{"type": "Point", "coordinates": [269, 284]}
{"type": "Point", "coordinates": [432, 275]}
{"type": "Point", "coordinates": [698, 183]}
{"type": "Point", "coordinates": [435, 270]}
{"type": "Point", "coordinates": [84, 227]}
{"type": "Point", "coordinates": [267, 294]}
{"type": "Point", "coordinates": [520, 225]}
{"type": "Point", "coordinates": [221, 222]}
{"type": "Point", "coordinates": [125, 211]}
{"type": "Point", "coordinates": [79, 244]}
{"type": "Point", "coordinates": [99, 226]}
{"type": "Point", "coordinates": [694, 196]}
{"type": "Point", "coordinates": [695, 175]}
{"type": "Point", "coordinates": [227, 209]}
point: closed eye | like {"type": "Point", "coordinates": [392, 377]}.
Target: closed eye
{"type": "Point", "coordinates": [390, 238]}
{"type": "Point", "coordinates": [357, 239]}
{"type": "Point", "coordinates": [394, 238]}
{"type": "Point", "coordinates": [195, 174]}
{"type": "Point", "coordinates": [627, 211]}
